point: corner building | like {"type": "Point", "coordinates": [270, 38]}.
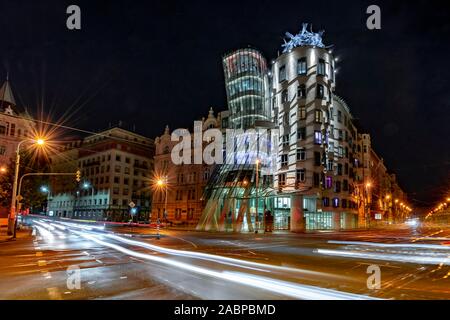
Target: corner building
{"type": "Point", "coordinates": [314, 169]}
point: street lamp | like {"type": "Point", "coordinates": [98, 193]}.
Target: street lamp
{"type": "Point", "coordinates": [12, 215]}
{"type": "Point", "coordinates": [86, 186]}
{"type": "Point", "coordinates": [3, 170]}
{"type": "Point", "coordinates": [163, 183]}
{"type": "Point", "coordinates": [257, 162]}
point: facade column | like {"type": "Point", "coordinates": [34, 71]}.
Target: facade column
{"type": "Point", "coordinates": [297, 216]}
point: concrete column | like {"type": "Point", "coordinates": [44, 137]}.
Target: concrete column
{"type": "Point", "coordinates": [297, 216]}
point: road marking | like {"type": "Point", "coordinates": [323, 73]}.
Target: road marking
{"type": "Point", "coordinates": [39, 254]}
{"type": "Point", "coordinates": [54, 293]}
{"type": "Point", "coordinates": [99, 261]}
{"type": "Point", "coordinates": [42, 263]}
{"type": "Point", "coordinates": [124, 277]}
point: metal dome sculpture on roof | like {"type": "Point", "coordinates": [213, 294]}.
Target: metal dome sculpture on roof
{"type": "Point", "coordinates": [304, 38]}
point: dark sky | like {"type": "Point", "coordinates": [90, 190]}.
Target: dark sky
{"type": "Point", "coordinates": [152, 63]}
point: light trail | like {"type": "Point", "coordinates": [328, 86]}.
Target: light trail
{"type": "Point", "coordinates": [215, 258]}
{"type": "Point", "coordinates": [392, 245]}
{"type": "Point", "coordinates": [279, 287]}
{"type": "Point", "coordinates": [418, 259]}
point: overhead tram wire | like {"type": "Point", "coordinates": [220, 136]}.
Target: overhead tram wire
{"type": "Point", "coordinates": [84, 131]}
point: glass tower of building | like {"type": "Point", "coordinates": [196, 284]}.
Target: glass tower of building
{"type": "Point", "coordinates": [247, 87]}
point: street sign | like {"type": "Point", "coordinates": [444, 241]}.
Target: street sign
{"type": "Point", "coordinates": [19, 198]}
{"type": "Point", "coordinates": [132, 204]}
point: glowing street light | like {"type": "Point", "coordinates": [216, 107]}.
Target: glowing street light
{"type": "Point", "coordinates": [3, 170]}
{"type": "Point", "coordinates": [12, 215]}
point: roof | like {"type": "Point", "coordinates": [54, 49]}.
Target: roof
{"type": "Point", "coordinates": [6, 94]}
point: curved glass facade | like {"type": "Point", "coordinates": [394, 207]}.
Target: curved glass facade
{"type": "Point", "coordinates": [246, 84]}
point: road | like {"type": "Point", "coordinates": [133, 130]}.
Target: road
{"type": "Point", "coordinates": [132, 263]}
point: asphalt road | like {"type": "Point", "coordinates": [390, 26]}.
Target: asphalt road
{"type": "Point", "coordinates": [68, 260]}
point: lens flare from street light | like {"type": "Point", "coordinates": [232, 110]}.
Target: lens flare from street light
{"type": "Point", "coordinates": [2, 169]}
{"type": "Point", "coordinates": [40, 141]}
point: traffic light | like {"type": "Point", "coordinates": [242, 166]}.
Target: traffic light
{"type": "Point", "coordinates": [78, 176]}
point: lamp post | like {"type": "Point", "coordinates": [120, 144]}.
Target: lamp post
{"type": "Point", "coordinates": [162, 183]}
{"type": "Point", "coordinates": [12, 215]}
{"type": "Point", "coordinates": [86, 186]}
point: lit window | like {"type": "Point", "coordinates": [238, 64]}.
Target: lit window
{"type": "Point", "coordinates": [302, 113]}
{"type": "Point", "coordinates": [317, 137]}
{"type": "Point", "coordinates": [336, 202]}
{"type": "Point", "coordinates": [328, 182]}
{"type": "Point", "coordinates": [321, 67]}
{"type": "Point", "coordinates": [301, 66]}
{"type": "Point", "coordinates": [318, 116]}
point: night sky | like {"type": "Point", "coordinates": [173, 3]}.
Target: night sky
{"type": "Point", "coordinates": [153, 63]}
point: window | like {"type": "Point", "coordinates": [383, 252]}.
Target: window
{"type": "Point", "coordinates": [337, 186]}
{"type": "Point", "coordinates": [285, 140]}
{"type": "Point", "coordinates": [302, 113]}
{"type": "Point", "coordinates": [331, 147]}
{"type": "Point", "coordinates": [117, 169]}
{"type": "Point", "coordinates": [335, 202]}
{"type": "Point", "coordinates": [118, 158]}
{"type": "Point", "coordinates": [301, 175]}
{"type": "Point", "coordinates": [301, 154]}
{"type": "Point", "coordinates": [2, 130]}
{"type": "Point", "coordinates": [339, 169]}
{"type": "Point", "coordinates": [301, 133]}
{"type": "Point", "coordinates": [284, 160]}
{"type": "Point", "coordinates": [2, 150]}
{"type": "Point", "coordinates": [321, 67]}
{"type": "Point", "coordinates": [326, 202]}
{"type": "Point", "coordinates": [116, 180]}
{"type": "Point", "coordinates": [301, 91]}
{"type": "Point", "coordinates": [190, 214]}
{"type": "Point", "coordinates": [318, 116]}
{"type": "Point", "coordinates": [284, 96]}
{"type": "Point", "coordinates": [339, 116]}
{"type": "Point", "coordinates": [316, 179]}
{"type": "Point", "coordinates": [328, 182]}
{"type": "Point", "coordinates": [301, 66]}
{"type": "Point", "coordinates": [317, 161]}
{"type": "Point", "coordinates": [179, 195]}
{"type": "Point", "coordinates": [317, 137]}
{"type": "Point", "coordinates": [319, 91]}
{"type": "Point", "coordinates": [345, 185]}
{"type": "Point", "coordinates": [12, 130]}
{"type": "Point", "coordinates": [330, 165]}
{"type": "Point", "coordinates": [282, 74]}
{"type": "Point", "coordinates": [206, 175]}
{"type": "Point", "coordinates": [282, 179]}
{"type": "Point", "coordinates": [177, 214]}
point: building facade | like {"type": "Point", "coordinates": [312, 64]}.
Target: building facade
{"type": "Point", "coordinates": [185, 183]}
{"type": "Point", "coordinates": [15, 126]}
{"type": "Point", "coordinates": [327, 175]}
{"type": "Point", "coordinates": [116, 167]}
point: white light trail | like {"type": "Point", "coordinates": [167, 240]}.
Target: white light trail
{"type": "Point", "coordinates": [419, 259]}
{"type": "Point", "coordinates": [279, 287]}
{"type": "Point", "coordinates": [393, 245]}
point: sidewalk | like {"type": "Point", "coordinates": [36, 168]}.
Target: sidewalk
{"type": "Point", "coordinates": [22, 233]}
